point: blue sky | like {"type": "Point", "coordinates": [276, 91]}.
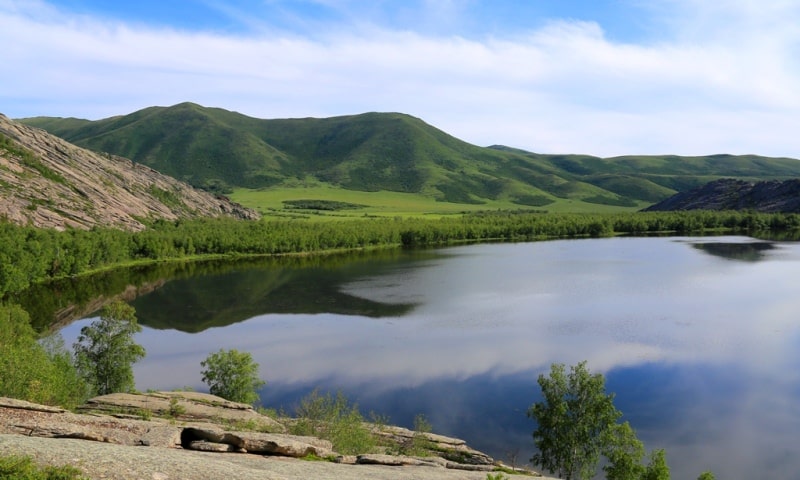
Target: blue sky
{"type": "Point", "coordinates": [603, 77]}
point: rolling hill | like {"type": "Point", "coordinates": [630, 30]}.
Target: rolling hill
{"type": "Point", "coordinates": [218, 150]}
{"type": "Point", "coordinates": [48, 182]}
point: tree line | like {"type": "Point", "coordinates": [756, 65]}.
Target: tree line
{"type": "Point", "coordinates": [31, 255]}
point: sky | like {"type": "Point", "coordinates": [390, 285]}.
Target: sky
{"type": "Point", "coordinates": [599, 77]}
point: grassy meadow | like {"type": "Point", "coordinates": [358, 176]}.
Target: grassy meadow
{"type": "Point", "coordinates": [270, 202]}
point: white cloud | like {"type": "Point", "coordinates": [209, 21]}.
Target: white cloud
{"type": "Point", "coordinates": [725, 81]}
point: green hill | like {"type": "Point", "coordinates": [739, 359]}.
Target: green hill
{"type": "Point", "coordinates": [219, 150]}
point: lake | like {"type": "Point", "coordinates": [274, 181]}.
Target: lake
{"type": "Point", "coordinates": [697, 337]}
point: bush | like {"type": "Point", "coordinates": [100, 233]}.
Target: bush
{"type": "Point", "coordinates": [334, 418]}
{"type": "Point", "coordinates": [24, 468]}
{"type": "Point", "coordinates": [232, 375]}
{"type": "Point", "coordinates": [36, 372]}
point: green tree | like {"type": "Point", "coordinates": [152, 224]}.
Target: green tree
{"type": "Point", "coordinates": [624, 453]}
{"type": "Point", "coordinates": [574, 420]}
{"type": "Point", "coordinates": [577, 423]}
{"type": "Point", "coordinates": [657, 468]}
{"type": "Point", "coordinates": [40, 372]}
{"type": "Point", "coordinates": [707, 475]}
{"type": "Point", "coordinates": [232, 375]}
{"type": "Point", "coordinates": [105, 351]}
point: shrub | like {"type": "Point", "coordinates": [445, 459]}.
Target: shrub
{"type": "Point", "coordinates": [334, 418]}
{"type": "Point", "coordinates": [33, 371]}
{"type": "Point", "coordinates": [24, 468]}
{"type": "Point", "coordinates": [232, 375]}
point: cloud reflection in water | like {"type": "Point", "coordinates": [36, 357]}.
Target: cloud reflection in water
{"type": "Point", "coordinates": [701, 350]}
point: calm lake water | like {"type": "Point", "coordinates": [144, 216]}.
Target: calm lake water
{"type": "Point", "coordinates": [698, 338]}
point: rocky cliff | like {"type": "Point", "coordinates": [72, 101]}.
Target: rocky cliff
{"type": "Point", "coordinates": [730, 194]}
{"type": "Point", "coordinates": [48, 182]}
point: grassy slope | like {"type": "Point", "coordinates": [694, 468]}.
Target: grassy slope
{"type": "Point", "coordinates": [389, 154]}
{"type": "Point", "coordinates": [385, 203]}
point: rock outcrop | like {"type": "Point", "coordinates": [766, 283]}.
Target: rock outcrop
{"type": "Point", "coordinates": [48, 182]}
{"type": "Point", "coordinates": [731, 194]}
{"type": "Point", "coordinates": [206, 423]}
{"type": "Point", "coordinates": [183, 406]}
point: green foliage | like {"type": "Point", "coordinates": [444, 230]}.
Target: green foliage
{"type": "Point", "coordinates": [657, 468]}
{"type": "Point", "coordinates": [335, 419]}
{"type": "Point", "coordinates": [105, 350]}
{"type": "Point", "coordinates": [707, 475]}
{"type": "Point", "coordinates": [577, 423]}
{"type": "Point", "coordinates": [29, 255]}
{"type": "Point", "coordinates": [420, 444]}
{"type": "Point", "coordinates": [497, 476]}
{"type": "Point", "coordinates": [573, 421]}
{"type": "Point", "coordinates": [24, 468]}
{"type": "Point", "coordinates": [168, 198]}
{"type": "Point", "coordinates": [175, 408]}
{"type": "Point", "coordinates": [232, 375]}
{"type": "Point", "coordinates": [37, 372]}
{"type": "Point", "coordinates": [624, 453]}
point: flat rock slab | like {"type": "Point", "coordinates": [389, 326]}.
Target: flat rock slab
{"type": "Point", "coordinates": [186, 406]}
{"type": "Point", "coordinates": [116, 462]}
{"type": "Point", "coordinates": [256, 442]}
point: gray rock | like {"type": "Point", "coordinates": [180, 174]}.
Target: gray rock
{"type": "Point", "coordinates": [204, 446]}
{"type": "Point", "coordinates": [87, 189]}
{"type": "Point", "coordinates": [259, 443]}
{"type": "Point", "coordinates": [187, 406]}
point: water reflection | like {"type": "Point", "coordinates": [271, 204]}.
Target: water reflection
{"type": "Point", "coordinates": [702, 352]}
{"type": "Point", "coordinates": [743, 251]}
{"type": "Point", "coordinates": [193, 296]}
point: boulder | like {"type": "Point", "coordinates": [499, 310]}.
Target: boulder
{"type": "Point", "coordinates": [256, 442]}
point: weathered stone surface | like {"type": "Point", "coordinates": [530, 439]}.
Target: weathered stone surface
{"type": "Point", "coordinates": [285, 445]}
{"type": "Point", "coordinates": [23, 405]}
{"type": "Point", "coordinates": [64, 186]}
{"type": "Point", "coordinates": [256, 442]}
{"type": "Point", "coordinates": [165, 436]}
{"type": "Point", "coordinates": [453, 449]}
{"type": "Point", "coordinates": [187, 406]}
{"type": "Point", "coordinates": [57, 423]}
{"type": "Point", "coordinates": [204, 446]}
{"type": "Point", "coordinates": [400, 461]}
{"type": "Point", "coordinates": [115, 462]}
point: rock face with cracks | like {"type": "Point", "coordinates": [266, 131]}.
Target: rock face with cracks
{"type": "Point", "coordinates": [48, 182]}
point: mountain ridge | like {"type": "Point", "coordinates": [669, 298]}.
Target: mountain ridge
{"type": "Point", "coordinates": [219, 150]}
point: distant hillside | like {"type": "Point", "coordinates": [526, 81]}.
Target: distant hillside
{"type": "Point", "coordinates": [730, 194]}
{"type": "Point", "coordinates": [217, 149]}
{"type": "Point", "coordinates": [47, 182]}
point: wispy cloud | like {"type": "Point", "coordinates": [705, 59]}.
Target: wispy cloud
{"type": "Point", "coordinates": [717, 80]}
